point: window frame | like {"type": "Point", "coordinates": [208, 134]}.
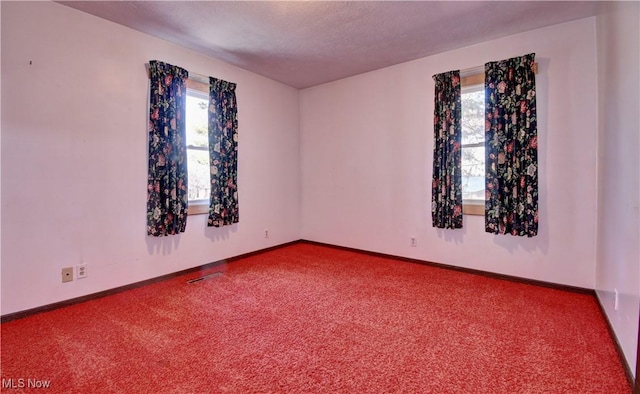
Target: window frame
{"type": "Point", "coordinates": [197, 207]}
{"type": "Point", "coordinates": [472, 77]}
{"type": "Point", "coordinates": [472, 206]}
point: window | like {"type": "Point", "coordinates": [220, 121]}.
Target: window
{"type": "Point", "coordinates": [473, 148]}
{"type": "Point", "coordinates": [197, 134]}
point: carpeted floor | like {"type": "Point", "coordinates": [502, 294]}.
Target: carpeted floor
{"type": "Point", "coordinates": [312, 319]}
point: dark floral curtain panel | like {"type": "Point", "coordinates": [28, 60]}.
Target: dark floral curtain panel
{"type": "Point", "coordinates": [167, 176]}
{"type": "Point", "coordinates": [446, 196]}
{"type": "Point", "coordinates": [223, 153]}
{"type": "Point", "coordinates": [511, 147]}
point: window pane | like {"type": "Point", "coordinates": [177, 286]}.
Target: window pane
{"type": "Point", "coordinates": [197, 119]}
{"type": "Point", "coordinates": [199, 179]}
{"type": "Point", "coordinates": [473, 173]}
{"type": "Point", "coordinates": [197, 136]}
{"type": "Point", "coordinates": [473, 133]}
{"type": "Point", "coordinates": [473, 115]}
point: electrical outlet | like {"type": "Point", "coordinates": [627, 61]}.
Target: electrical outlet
{"type": "Point", "coordinates": [616, 302]}
{"type": "Point", "coordinates": [67, 274]}
{"type": "Point", "coordinates": [81, 271]}
{"type": "Point", "coordinates": [413, 241]}
{"type": "Point", "coordinates": [266, 233]}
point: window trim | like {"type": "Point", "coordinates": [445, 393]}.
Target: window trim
{"type": "Point", "coordinates": [204, 88]}
{"type": "Point", "coordinates": [197, 207]}
{"type": "Point", "coordinates": [473, 207]}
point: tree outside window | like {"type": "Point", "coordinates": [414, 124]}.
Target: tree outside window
{"type": "Point", "coordinates": [198, 145]}
{"type": "Point", "coordinates": [473, 156]}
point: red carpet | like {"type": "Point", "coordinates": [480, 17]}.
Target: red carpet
{"type": "Point", "coordinates": [311, 319]}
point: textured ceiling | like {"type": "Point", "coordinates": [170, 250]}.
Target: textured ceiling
{"type": "Point", "coordinates": [306, 43]}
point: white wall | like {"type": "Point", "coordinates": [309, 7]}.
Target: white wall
{"type": "Point", "coordinates": [366, 154]}
{"type": "Point", "coordinates": [618, 251]}
{"type": "Point", "coordinates": [74, 158]}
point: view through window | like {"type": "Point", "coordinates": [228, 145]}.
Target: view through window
{"type": "Point", "coordinates": [473, 144]}
{"type": "Point", "coordinates": [198, 145]}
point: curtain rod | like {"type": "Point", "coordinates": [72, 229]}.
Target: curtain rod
{"type": "Point", "coordinates": [193, 76]}
{"type": "Point", "coordinates": [480, 70]}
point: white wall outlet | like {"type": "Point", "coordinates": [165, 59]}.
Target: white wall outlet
{"type": "Point", "coordinates": [413, 241]}
{"type": "Point", "coordinates": [266, 233]}
{"type": "Point", "coordinates": [616, 301]}
{"type": "Point", "coordinates": [81, 271]}
{"type": "Point", "coordinates": [67, 274]}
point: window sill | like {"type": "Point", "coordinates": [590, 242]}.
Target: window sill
{"type": "Point", "coordinates": [198, 208]}
{"type": "Point", "coordinates": [473, 207]}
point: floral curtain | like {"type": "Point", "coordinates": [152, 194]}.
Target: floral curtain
{"type": "Point", "coordinates": [167, 176]}
{"type": "Point", "coordinates": [511, 147]}
{"type": "Point", "coordinates": [446, 196]}
{"type": "Point", "coordinates": [223, 153]}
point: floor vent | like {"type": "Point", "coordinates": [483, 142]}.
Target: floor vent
{"type": "Point", "coordinates": [204, 277]}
